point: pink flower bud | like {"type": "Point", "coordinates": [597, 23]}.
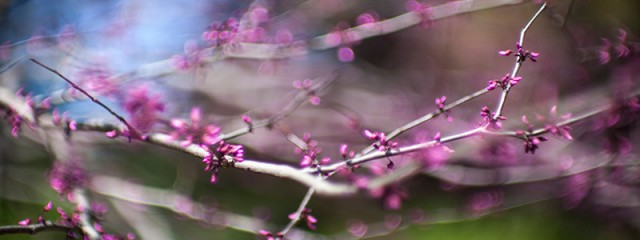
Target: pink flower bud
{"type": "Point", "coordinates": [25, 222]}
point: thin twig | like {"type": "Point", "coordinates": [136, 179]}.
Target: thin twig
{"type": "Point", "coordinates": [516, 66]}
{"type": "Point", "coordinates": [33, 228]}
{"type": "Point", "coordinates": [396, 132]}
{"type": "Point", "coordinates": [297, 214]}
{"type": "Point", "coordinates": [132, 131]}
{"type": "Point", "coordinates": [86, 224]}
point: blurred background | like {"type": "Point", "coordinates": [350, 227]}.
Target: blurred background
{"type": "Point", "coordinates": [488, 188]}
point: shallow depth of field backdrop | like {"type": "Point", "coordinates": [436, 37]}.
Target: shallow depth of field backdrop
{"type": "Point", "coordinates": [191, 73]}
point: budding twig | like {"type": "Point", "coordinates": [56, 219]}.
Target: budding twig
{"type": "Point", "coordinates": [33, 228]}
{"type": "Point", "coordinates": [132, 131]}
{"type": "Point", "coordinates": [516, 66]}
{"type": "Point", "coordinates": [397, 132]}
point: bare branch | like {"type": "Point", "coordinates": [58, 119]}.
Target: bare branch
{"type": "Point", "coordinates": [33, 228]}
{"type": "Point", "coordinates": [517, 65]}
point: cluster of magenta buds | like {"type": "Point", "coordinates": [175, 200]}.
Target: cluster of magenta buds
{"type": "Point", "coordinates": [307, 86]}
{"type": "Point", "coordinates": [306, 216]}
{"type": "Point", "coordinates": [224, 155]}
{"type": "Point", "coordinates": [310, 154]}
{"type": "Point", "coordinates": [504, 82]}
{"type": "Point", "coordinates": [382, 144]}
{"type": "Point", "coordinates": [531, 142]}
{"type": "Point", "coordinates": [221, 33]}
{"type": "Point", "coordinates": [487, 115]}
{"type": "Point", "coordinates": [521, 54]}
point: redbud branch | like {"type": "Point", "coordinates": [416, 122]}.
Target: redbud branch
{"type": "Point", "coordinates": [400, 22]}
{"type": "Point", "coordinates": [297, 214]}
{"type": "Point", "coordinates": [86, 225]}
{"type": "Point", "coordinates": [516, 66]}
{"type": "Point", "coordinates": [409, 19]}
{"type": "Point", "coordinates": [394, 152]}
{"type": "Point", "coordinates": [133, 132]}
{"type": "Point", "coordinates": [300, 98]}
{"type": "Point", "coordinates": [396, 132]}
{"type": "Point", "coordinates": [299, 142]}
{"type": "Point", "coordinates": [540, 131]}
{"type": "Point", "coordinates": [34, 228]}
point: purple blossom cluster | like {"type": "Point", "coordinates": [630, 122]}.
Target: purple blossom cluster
{"type": "Point", "coordinates": [66, 176]}
{"type": "Point", "coordinates": [144, 108]}
{"type": "Point", "coordinates": [521, 54]}
{"type": "Point", "coordinates": [380, 141]}
{"type": "Point", "coordinates": [504, 83]}
{"type": "Point", "coordinates": [224, 155]}
{"type": "Point", "coordinates": [194, 131]}
{"type": "Point", "coordinates": [310, 153]}
{"type": "Point", "coordinates": [306, 216]}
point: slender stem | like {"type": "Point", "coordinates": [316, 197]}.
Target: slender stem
{"type": "Point", "coordinates": [300, 98]}
{"type": "Point", "coordinates": [394, 152]}
{"type": "Point", "coordinates": [86, 224]}
{"type": "Point", "coordinates": [524, 30]}
{"type": "Point", "coordinates": [395, 133]}
{"type": "Point", "coordinates": [33, 228]}
{"type": "Point", "coordinates": [301, 207]}
{"type": "Point", "coordinates": [133, 132]}
{"type": "Point", "coordinates": [540, 131]}
{"type": "Point", "coordinates": [517, 65]}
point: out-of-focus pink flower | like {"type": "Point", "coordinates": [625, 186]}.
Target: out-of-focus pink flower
{"type": "Point", "coordinates": [306, 216]}
{"type": "Point", "coordinates": [381, 143]}
{"type": "Point", "coordinates": [357, 228]}
{"type": "Point", "coordinates": [143, 108]}
{"type": "Point", "coordinates": [221, 33]}
{"type": "Point", "coordinates": [483, 202]}
{"type": "Point", "coordinates": [367, 19]}
{"type": "Point", "coordinates": [25, 222]}
{"type": "Point", "coordinates": [48, 207]}
{"type": "Point", "coordinates": [422, 9]}
{"type": "Point", "coordinates": [195, 131]}
{"type": "Point", "coordinates": [346, 54]}
{"type": "Point", "coordinates": [191, 58]}
{"type": "Point", "coordinates": [65, 176]}
{"type": "Point", "coordinates": [576, 189]}
{"type": "Point", "coordinates": [307, 86]}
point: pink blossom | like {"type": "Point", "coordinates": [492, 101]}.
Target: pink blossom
{"type": "Point", "coordinates": [143, 108]}
{"type": "Point", "coordinates": [422, 9]}
{"type": "Point", "coordinates": [343, 150]}
{"type": "Point", "coordinates": [358, 228]}
{"type": "Point", "coordinates": [367, 19]}
{"type": "Point", "coordinates": [345, 54]}
{"type": "Point", "coordinates": [194, 131]}
{"type": "Point", "coordinates": [48, 207]}
{"type": "Point", "coordinates": [284, 36]}
{"type": "Point", "coordinates": [221, 33]}
{"type": "Point", "coordinates": [485, 201]}
{"type": "Point", "coordinates": [25, 222]}
{"type": "Point", "coordinates": [191, 58]}
{"type": "Point", "coordinates": [65, 176]}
